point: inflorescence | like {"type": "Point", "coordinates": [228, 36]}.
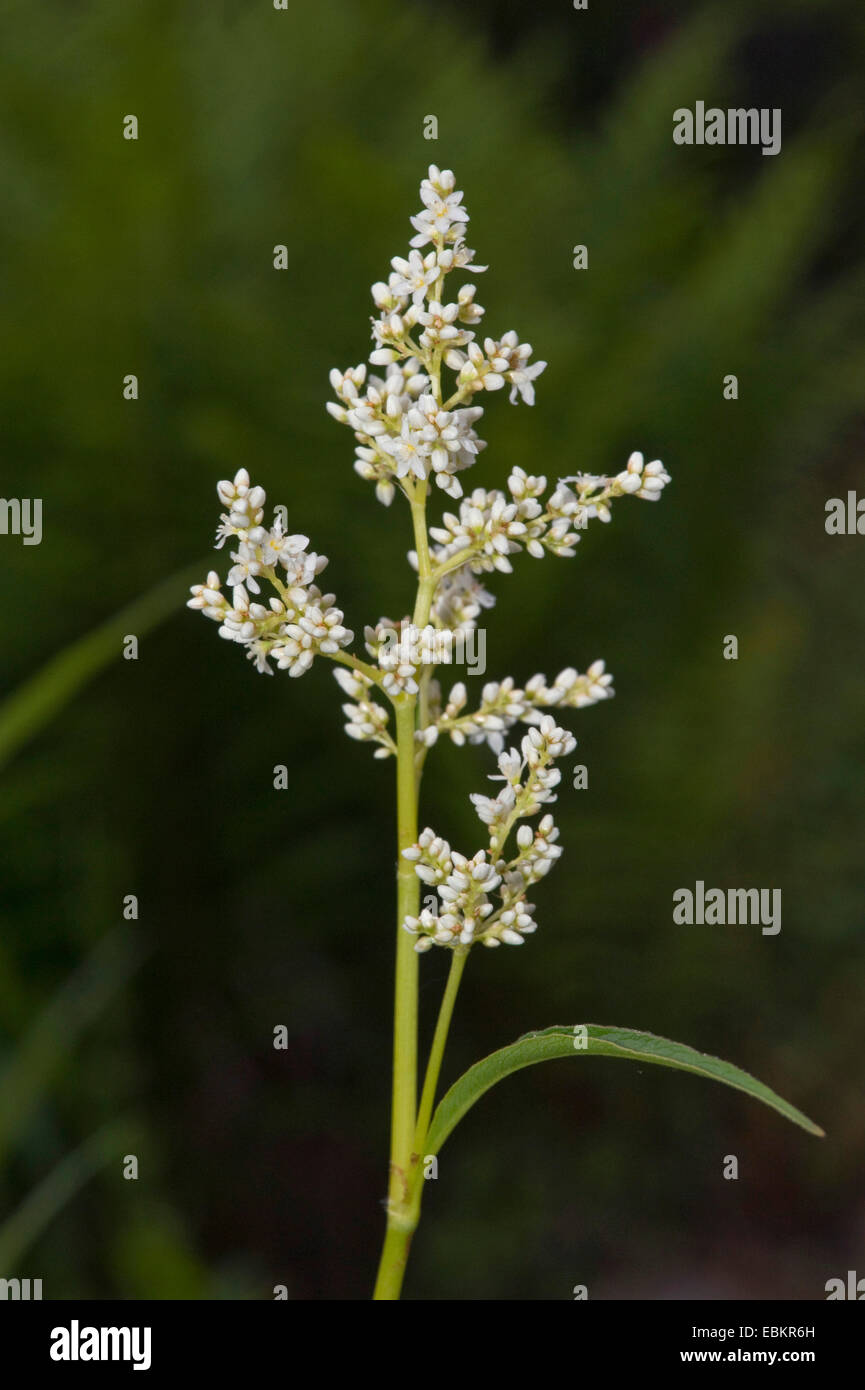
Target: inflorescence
{"type": "Point", "coordinates": [412, 429]}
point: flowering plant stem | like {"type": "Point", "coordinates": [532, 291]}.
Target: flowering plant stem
{"type": "Point", "coordinates": [408, 433]}
{"type": "Point", "coordinates": [409, 1124]}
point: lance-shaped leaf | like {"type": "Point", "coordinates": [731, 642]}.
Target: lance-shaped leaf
{"type": "Point", "coordinates": [594, 1040]}
{"type": "Point", "coordinates": [35, 703]}
{"type": "Point", "coordinates": [39, 1057]}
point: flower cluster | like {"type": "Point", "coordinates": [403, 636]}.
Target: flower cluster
{"type": "Point", "coordinates": [458, 600]}
{"type": "Point", "coordinates": [592, 495]}
{"type": "Point", "coordinates": [298, 621]}
{"type": "Point", "coordinates": [406, 431]}
{"type": "Point", "coordinates": [366, 719]}
{"type": "Point", "coordinates": [504, 704]}
{"type": "Point", "coordinates": [490, 526]}
{"type": "Point", "coordinates": [398, 662]}
{"type": "Point", "coordinates": [412, 429]}
{"type": "Point", "coordinates": [484, 898]}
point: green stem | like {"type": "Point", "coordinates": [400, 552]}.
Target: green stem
{"type": "Point", "coordinates": [440, 1037]}
{"type": "Point", "coordinates": [404, 1194]}
{"type": "Point", "coordinates": [455, 562]}
{"type": "Point", "coordinates": [394, 1256]}
{"type": "Point", "coordinates": [349, 659]}
{"type": "Point", "coordinates": [401, 1219]}
{"type": "Point", "coordinates": [427, 580]}
{"type": "Point", "coordinates": [405, 1016]}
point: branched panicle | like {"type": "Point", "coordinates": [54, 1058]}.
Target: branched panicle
{"type": "Point", "coordinates": [298, 621]}
{"type": "Point", "coordinates": [415, 423]}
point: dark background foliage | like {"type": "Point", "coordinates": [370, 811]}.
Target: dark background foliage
{"type": "Point", "coordinates": [260, 908]}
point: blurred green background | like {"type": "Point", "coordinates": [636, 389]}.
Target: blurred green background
{"type": "Point", "coordinates": [258, 908]}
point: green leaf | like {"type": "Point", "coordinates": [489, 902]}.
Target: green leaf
{"type": "Point", "coordinates": [597, 1041]}
{"type": "Point", "coordinates": [40, 1056]}
{"type": "Point", "coordinates": [26, 1224]}
{"type": "Point", "coordinates": [35, 703]}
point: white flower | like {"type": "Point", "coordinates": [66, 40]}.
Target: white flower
{"type": "Point", "coordinates": [367, 720]}
{"type": "Point", "coordinates": [440, 328]}
{"type": "Point", "coordinates": [521, 379]}
{"type": "Point", "coordinates": [443, 210]}
{"type": "Point", "coordinates": [483, 899]}
{"type": "Point", "coordinates": [208, 599]}
{"type": "Point", "coordinates": [487, 525]}
{"type": "Point", "coordinates": [298, 621]}
{"type": "Point", "coordinates": [393, 647]}
{"type": "Point", "coordinates": [509, 360]}
{"type": "Point", "coordinates": [413, 276]}
{"type": "Point", "coordinates": [593, 493]}
{"type": "Point", "coordinates": [245, 505]}
{"type": "Point", "coordinates": [469, 311]}
{"type": "Point", "coordinates": [654, 478]}
{"type": "Point", "coordinates": [319, 628]}
{"type": "Point", "coordinates": [407, 451]}
{"type": "Point", "coordinates": [459, 599]}
{"type": "Point", "coordinates": [458, 256]}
